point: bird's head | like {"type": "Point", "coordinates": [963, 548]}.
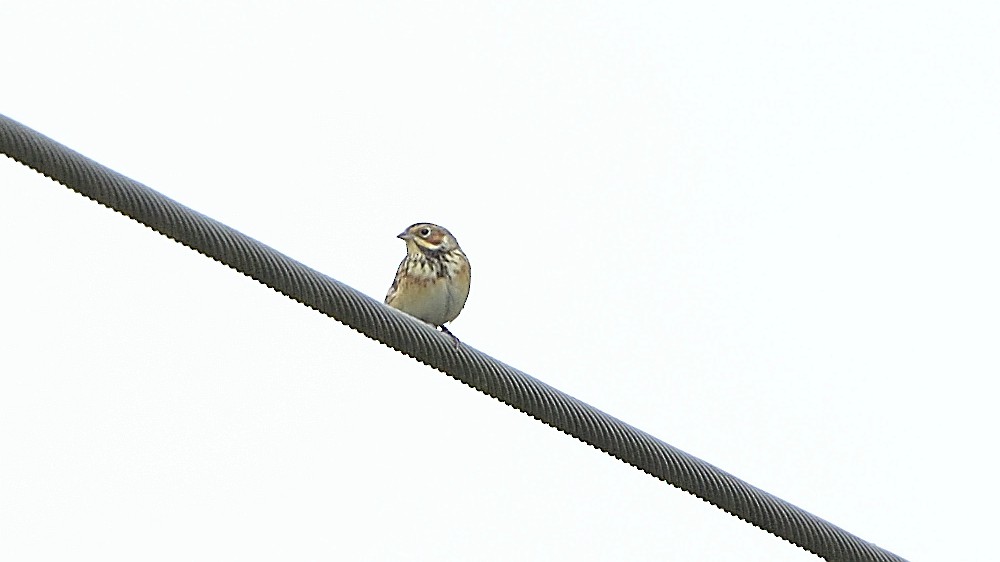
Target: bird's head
{"type": "Point", "coordinates": [427, 237]}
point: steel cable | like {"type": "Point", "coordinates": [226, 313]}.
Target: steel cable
{"type": "Point", "coordinates": [425, 344]}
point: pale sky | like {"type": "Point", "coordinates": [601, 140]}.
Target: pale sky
{"type": "Point", "coordinates": [764, 232]}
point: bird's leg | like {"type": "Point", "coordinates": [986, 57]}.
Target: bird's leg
{"type": "Point", "coordinates": [447, 331]}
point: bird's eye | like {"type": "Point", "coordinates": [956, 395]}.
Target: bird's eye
{"type": "Point", "coordinates": [425, 231]}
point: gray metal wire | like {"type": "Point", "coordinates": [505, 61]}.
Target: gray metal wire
{"type": "Point", "coordinates": [423, 343]}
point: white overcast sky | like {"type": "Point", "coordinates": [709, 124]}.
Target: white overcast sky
{"type": "Point", "coordinates": [765, 232]}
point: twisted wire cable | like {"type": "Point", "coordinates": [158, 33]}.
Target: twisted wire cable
{"type": "Point", "coordinates": [425, 344]}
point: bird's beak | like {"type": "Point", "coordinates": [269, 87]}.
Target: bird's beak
{"type": "Point", "coordinates": [405, 235]}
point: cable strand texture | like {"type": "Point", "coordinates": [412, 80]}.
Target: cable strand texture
{"type": "Point", "coordinates": [423, 343]}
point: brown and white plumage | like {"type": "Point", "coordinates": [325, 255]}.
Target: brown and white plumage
{"type": "Point", "coordinates": [432, 282]}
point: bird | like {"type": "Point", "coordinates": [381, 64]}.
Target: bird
{"type": "Point", "coordinates": [432, 282]}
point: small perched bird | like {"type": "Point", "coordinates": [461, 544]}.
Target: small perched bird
{"type": "Point", "coordinates": [432, 282]}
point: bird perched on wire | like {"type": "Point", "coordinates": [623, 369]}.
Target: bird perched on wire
{"type": "Point", "coordinates": [432, 282]}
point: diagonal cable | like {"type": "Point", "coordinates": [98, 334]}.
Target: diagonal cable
{"type": "Point", "coordinates": [423, 343]}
